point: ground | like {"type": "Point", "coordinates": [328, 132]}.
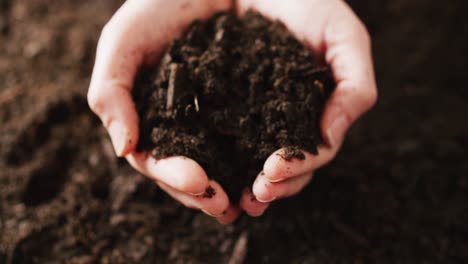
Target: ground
{"type": "Point", "coordinates": [396, 193]}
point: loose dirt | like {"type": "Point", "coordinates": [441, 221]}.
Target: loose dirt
{"type": "Point", "coordinates": [230, 93]}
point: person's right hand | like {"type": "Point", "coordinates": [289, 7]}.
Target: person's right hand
{"type": "Point", "coordinates": [330, 29]}
{"type": "Point", "coordinates": [136, 35]}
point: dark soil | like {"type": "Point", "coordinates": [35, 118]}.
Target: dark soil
{"type": "Point", "coordinates": [396, 193]}
{"type": "Point", "coordinates": [230, 93]}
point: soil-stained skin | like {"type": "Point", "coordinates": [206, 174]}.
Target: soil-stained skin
{"type": "Point", "coordinates": [230, 93]}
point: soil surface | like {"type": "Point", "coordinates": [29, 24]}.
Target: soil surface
{"type": "Point", "coordinates": [396, 193]}
{"type": "Point", "coordinates": [230, 93]}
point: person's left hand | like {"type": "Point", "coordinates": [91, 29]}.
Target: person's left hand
{"type": "Point", "coordinates": [329, 28]}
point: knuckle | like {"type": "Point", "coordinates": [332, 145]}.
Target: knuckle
{"type": "Point", "coordinates": [369, 98]}
{"type": "Point", "coordinates": [95, 101]}
{"type": "Point", "coordinates": [106, 30]}
{"type": "Point", "coordinates": [110, 33]}
{"type": "Point", "coordinates": [364, 95]}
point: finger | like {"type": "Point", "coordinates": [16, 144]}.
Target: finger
{"type": "Point", "coordinates": [129, 39]}
{"type": "Point", "coordinates": [231, 214]}
{"type": "Point", "coordinates": [215, 205]}
{"type": "Point", "coordinates": [266, 191]}
{"type": "Point", "coordinates": [251, 205]}
{"type": "Point", "coordinates": [277, 169]}
{"type": "Point", "coordinates": [180, 173]}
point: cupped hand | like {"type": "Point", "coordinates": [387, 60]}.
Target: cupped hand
{"type": "Point", "coordinates": [136, 35]}
{"type": "Point", "coordinates": [140, 31]}
{"type": "Point", "coordinates": [330, 29]}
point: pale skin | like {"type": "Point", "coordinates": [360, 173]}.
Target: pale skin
{"type": "Point", "coordinates": [139, 32]}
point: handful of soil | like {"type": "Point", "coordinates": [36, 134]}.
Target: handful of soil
{"type": "Point", "coordinates": [230, 93]}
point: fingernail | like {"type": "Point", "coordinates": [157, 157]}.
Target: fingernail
{"type": "Point", "coordinates": [213, 215]}
{"type": "Point", "coordinates": [266, 201]}
{"type": "Point", "coordinates": [118, 134]}
{"type": "Point", "coordinates": [337, 130]}
{"type": "Point", "coordinates": [276, 180]}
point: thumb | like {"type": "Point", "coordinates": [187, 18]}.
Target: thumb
{"type": "Point", "coordinates": [114, 106]}
{"type": "Point", "coordinates": [348, 51]}
{"type": "Point", "coordinates": [109, 94]}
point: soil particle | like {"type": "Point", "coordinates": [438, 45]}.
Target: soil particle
{"type": "Point", "coordinates": [291, 153]}
{"type": "Point", "coordinates": [210, 192]}
{"type": "Point", "coordinates": [230, 93]}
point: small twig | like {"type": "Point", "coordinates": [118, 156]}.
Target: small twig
{"type": "Point", "coordinates": [319, 85]}
{"type": "Point", "coordinates": [240, 249]}
{"type": "Point", "coordinates": [219, 35]}
{"type": "Point", "coordinates": [197, 107]}
{"type": "Point", "coordinates": [171, 88]}
{"type": "Point", "coordinates": [316, 70]}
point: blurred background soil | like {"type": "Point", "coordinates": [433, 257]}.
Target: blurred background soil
{"type": "Point", "coordinates": [397, 192]}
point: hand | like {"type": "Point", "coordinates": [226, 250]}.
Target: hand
{"type": "Point", "coordinates": [329, 28]}
{"type": "Point", "coordinates": [137, 34]}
